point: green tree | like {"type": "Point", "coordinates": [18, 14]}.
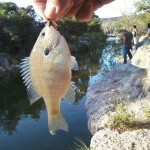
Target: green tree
{"type": "Point", "coordinates": [71, 28]}
{"type": "Point", "coordinates": [17, 29]}
{"type": "Point", "coordinates": [143, 6]}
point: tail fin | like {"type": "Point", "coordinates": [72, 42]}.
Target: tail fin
{"type": "Point", "coordinates": [57, 122]}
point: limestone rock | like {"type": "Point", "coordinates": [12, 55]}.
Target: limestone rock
{"type": "Point", "coordinates": [143, 40]}
{"type": "Point", "coordinates": [124, 84]}
{"type": "Point", "coordinates": [129, 140]}
{"type": "Point", "coordinates": [142, 57]}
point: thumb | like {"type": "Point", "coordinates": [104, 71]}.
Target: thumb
{"type": "Point", "coordinates": [50, 11]}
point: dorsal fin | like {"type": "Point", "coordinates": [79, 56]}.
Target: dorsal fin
{"type": "Point", "coordinates": [74, 65]}
{"type": "Point", "coordinates": [25, 73]}
{"type": "Point", "coordinates": [69, 95]}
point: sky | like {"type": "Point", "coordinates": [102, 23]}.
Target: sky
{"type": "Point", "coordinates": [114, 9]}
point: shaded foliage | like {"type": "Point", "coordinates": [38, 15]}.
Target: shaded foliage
{"type": "Point", "coordinates": [18, 28]}
{"type": "Point", "coordinates": [71, 28]}
{"type": "Point", "coordinates": [14, 106]}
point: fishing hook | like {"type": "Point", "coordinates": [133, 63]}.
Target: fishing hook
{"type": "Point", "coordinates": [51, 23]}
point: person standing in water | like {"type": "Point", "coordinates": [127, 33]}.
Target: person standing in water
{"type": "Point", "coordinates": [135, 35]}
{"type": "Point", "coordinates": [127, 42]}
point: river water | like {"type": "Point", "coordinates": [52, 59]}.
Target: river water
{"type": "Point", "coordinates": [25, 127]}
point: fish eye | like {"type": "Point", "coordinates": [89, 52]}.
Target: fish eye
{"type": "Point", "coordinates": [43, 34]}
{"type": "Point", "coordinates": [46, 51]}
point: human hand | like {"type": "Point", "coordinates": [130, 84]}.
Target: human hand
{"type": "Point", "coordinates": [81, 9]}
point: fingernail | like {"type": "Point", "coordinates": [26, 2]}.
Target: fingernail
{"type": "Point", "coordinates": [50, 11]}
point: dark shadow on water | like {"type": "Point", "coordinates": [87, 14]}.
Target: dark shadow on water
{"type": "Point", "coordinates": [14, 106]}
{"type": "Point", "coordinates": [25, 127]}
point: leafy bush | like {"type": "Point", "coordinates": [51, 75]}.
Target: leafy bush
{"type": "Point", "coordinates": [72, 29]}
{"type": "Point", "coordinates": [17, 29]}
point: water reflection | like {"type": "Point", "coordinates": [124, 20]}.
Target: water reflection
{"type": "Point", "coordinates": [14, 105]}
{"type": "Point", "coordinates": [110, 53]}
{"type": "Point", "coordinates": [27, 124]}
{"type": "Point", "coordinates": [108, 58]}
{"type": "Point", "coordinates": [88, 62]}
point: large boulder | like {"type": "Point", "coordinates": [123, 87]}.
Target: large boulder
{"type": "Point", "coordinates": [127, 84]}
{"type": "Point", "coordinates": [124, 84]}
{"type": "Point", "coordinates": [142, 57]}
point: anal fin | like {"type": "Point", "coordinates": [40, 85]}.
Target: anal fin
{"type": "Point", "coordinates": [69, 95]}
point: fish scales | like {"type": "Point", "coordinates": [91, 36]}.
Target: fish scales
{"type": "Point", "coordinates": [49, 73]}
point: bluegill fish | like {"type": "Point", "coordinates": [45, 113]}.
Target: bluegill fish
{"type": "Point", "coordinates": [47, 73]}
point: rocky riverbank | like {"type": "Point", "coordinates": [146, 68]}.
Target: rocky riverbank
{"type": "Point", "coordinates": [9, 69]}
{"type": "Point", "coordinates": [118, 105]}
{"type": "Point", "coordinates": [7, 63]}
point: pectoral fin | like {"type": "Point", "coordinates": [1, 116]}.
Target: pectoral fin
{"type": "Point", "coordinates": [25, 73]}
{"type": "Point", "coordinates": [70, 94]}
{"type": "Point", "coordinates": [74, 63]}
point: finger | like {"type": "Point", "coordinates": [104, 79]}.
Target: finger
{"type": "Point", "coordinates": [86, 11]}
{"type": "Point", "coordinates": [39, 6]}
{"type": "Point", "coordinates": [75, 8]}
{"type": "Point", "coordinates": [50, 11]}
{"type": "Point", "coordinates": [99, 3]}
{"type": "Point", "coordinates": [57, 8]}
{"type": "Point", "coordinates": [67, 9]}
